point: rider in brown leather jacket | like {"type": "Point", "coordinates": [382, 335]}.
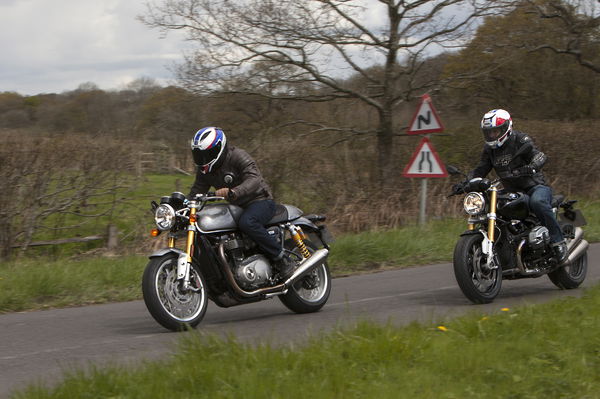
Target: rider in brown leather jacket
{"type": "Point", "coordinates": [235, 176]}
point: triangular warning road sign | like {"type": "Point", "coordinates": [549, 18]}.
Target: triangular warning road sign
{"type": "Point", "coordinates": [426, 119]}
{"type": "Point", "coordinates": [425, 162]}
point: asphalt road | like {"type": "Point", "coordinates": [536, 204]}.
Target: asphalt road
{"type": "Point", "coordinates": [41, 346]}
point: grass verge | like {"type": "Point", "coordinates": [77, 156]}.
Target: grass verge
{"type": "Point", "coordinates": [31, 284]}
{"type": "Point", "coordinates": [544, 351]}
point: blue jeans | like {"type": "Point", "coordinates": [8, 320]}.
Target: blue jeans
{"type": "Point", "coordinates": [252, 222]}
{"type": "Point", "coordinates": [540, 200]}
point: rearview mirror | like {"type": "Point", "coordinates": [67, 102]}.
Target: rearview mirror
{"type": "Point", "coordinates": [453, 170]}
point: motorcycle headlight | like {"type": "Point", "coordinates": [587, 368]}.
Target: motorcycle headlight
{"type": "Point", "coordinates": [164, 217]}
{"type": "Point", "coordinates": [474, 203]}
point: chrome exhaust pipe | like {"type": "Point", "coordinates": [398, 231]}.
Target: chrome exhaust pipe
{"type": "Point", "coordinates": [576, 252]}
{"type": "Point", "coordinates": [578, 236]}
{"type": "Point", "coordinates": [307, 265]}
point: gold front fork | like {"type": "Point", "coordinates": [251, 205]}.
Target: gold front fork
{"type": "Point", "coordinates": [492, 214]}
{"type": "Point", "coordinates": [191, 234]}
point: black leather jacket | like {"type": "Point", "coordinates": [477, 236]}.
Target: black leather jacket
{"type": "Point", "coordinates": [238, 172]}
{"type": "Point", "coordinates": [511, 160]}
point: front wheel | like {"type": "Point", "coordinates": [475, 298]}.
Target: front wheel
{"type": "Point", "coordinates": [310, 293]}
{"type": "Point", "coordinates": [478, 282]}
{"type": "Point", "coordinates": [569, 277]}
{"type": "Point", "coordinates": [171, 306]}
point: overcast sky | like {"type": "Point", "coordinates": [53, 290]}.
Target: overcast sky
{"type": "Point", "coordinates": [51, 46]}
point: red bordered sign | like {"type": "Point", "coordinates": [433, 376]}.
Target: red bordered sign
{"type": "Point", "coordinates": [425, 162]}
{"type": "Point", "coordinates": [426, 119]}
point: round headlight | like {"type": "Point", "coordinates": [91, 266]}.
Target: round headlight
{"type": "Point", "coordinates": [164, 217]}
{"type": "Point", "coordinates": [474, 203]}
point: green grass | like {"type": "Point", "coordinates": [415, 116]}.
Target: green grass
{"type": "Point", "coordinates": [408, 246]}
{"type": "Point", "coordinates": [544, 351]}
{"type": "Point", "coordinates": [26, 285]}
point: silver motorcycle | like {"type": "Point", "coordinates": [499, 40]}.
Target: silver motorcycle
{"type": "Point", "coordinates": [220, 263]}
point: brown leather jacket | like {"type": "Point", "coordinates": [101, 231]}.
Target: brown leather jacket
{"type": "Point", "coordinates": [238, 172]}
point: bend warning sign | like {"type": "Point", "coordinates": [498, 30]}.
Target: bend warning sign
{"type": "Point", "coordinates": [425, 162]}
{"type": "Point", "coordinates": [425, 119]}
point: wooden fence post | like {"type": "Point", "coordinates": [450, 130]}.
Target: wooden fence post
{"type": "Point", "coordinates": [112, 240]}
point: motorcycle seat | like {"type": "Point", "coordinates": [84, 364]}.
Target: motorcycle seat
{"type": "Point", "coordinates": [284, 213]}
{"type": "Point", "coordinates": [557, 200]}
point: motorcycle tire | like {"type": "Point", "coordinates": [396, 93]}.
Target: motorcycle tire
{"type": "Point", "coordinates": [310, 293]}
{"type": "Point", "coordinates": [476, 283]}
{"type": "Point", "coordinates": [569, 277]}
{"type": "Point", "coordinates": [168, 304]}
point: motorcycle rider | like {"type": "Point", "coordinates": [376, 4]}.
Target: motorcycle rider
{"type": "Point", "coordinates": [521, 173]}
{"type": "Point", "coordinates": [236, 177]}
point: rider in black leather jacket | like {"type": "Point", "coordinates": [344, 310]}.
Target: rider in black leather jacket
{"type": "Point", "coordinates": [518, 163]}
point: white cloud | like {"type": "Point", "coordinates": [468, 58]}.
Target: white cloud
{"type": "Point", "coordinates": [53, 46]}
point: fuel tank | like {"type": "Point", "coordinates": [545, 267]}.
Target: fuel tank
{"type": "Point", "coordinates": [219, 217]}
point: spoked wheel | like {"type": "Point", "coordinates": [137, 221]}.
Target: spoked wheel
{"type": "Point", "coordinates": [310, 293]}
{"type": "Point", "coordinates": [571, 276]}
{"type": "Point", "coordinates": [478, 282]}
{"type": "Point", "coordinates": [171, 306]}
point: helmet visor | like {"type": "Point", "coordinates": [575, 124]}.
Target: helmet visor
{"type": "Point", "coordinates": [493, 134]}
{"type": "Point", "coordinates": [205, 157]}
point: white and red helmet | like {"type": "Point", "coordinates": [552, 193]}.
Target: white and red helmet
{"type": "Point", "coordinates": [208, 146]}
{"type": "Point", "coordinates": [496, 126]}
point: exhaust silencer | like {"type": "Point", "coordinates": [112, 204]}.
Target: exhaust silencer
{"type": "Point", "coordinates": [307, 265]}
{"type": "Point", "coordinates": [576, 252]}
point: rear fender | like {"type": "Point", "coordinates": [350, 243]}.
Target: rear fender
{"type": "Point", "coordinates": [319, 231]}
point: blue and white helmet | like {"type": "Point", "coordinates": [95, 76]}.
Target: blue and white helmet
{"type": "Point", "coordinates": [208, 146]}
{"type": "Point", "coordinates": [496, 126]}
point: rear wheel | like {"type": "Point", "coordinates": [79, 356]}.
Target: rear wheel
{"type": "Point", "coordinates": [310, 293]}
{"type": "Point", "coordinates": [569, 277]}
{"type": "Point", "coordinates": [171, 306]}
{"type": "Point", "coordinates": [478, 282]}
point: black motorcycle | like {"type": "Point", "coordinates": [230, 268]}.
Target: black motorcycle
{"type": "Point", "coordinates": [220, 263]}
{"type": "Point", "coordinates": [505, 240]}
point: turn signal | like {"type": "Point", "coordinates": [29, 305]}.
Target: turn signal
{"type": "Point", "coordinates": [154, 232]}
{"type": "Point", "coordinates": [193, 219]}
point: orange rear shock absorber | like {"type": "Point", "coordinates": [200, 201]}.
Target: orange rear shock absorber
{"type": "Point", "coordinates": [297, 236]}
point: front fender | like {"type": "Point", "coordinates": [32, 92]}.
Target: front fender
{"type": "Point", "coordinates": [164, 251]}
{"type": "Point", "coordinates": [470, 232]}
{"type": "Point", "coordinates": [487, 246]}
{"type": "Point", "coordinates": [183, 267]}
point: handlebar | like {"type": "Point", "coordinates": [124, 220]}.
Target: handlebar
{"type": "Point", "coordinates": [469, 185]}
{"type": "Point", "coordinates": [209, 196]}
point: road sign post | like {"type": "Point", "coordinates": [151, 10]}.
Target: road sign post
{"type": "Point", "coordinates": [425, 161]}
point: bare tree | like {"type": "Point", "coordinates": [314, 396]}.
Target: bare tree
{"type": "Point", "coordinates": [579, 24]}
{"type": "Point", "coordinates": [307, 50]}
